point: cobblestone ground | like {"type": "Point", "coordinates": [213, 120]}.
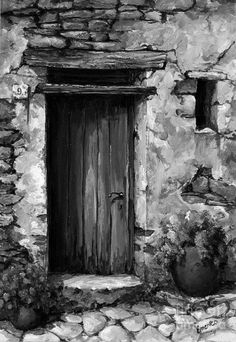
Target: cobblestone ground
{"type": "Point", "coordinates": [210, 319]}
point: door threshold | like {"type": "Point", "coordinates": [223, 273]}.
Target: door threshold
{"type": "Point", "coordinates": [97, 282]}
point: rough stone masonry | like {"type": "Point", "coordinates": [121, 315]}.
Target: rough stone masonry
{"type": "Point", "coordinates": [198, 38]}
{"type": "Point", "coordinates": [177, 321]}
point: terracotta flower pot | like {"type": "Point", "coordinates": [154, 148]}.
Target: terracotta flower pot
{"type": "Point", "coordinates": [195, 277]}
{"type": "Point", "coordinates": [26, 319]}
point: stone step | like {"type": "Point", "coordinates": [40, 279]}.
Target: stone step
{"type": "Point", "coordinates": [89, 291]}
{"type": "Point", "coordinates": [99, 283]}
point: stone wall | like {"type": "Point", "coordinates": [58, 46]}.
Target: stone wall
{"type": "Point", "coordinates": [198, 37]}
{"type": "Point", "coordinates": [189, 171]}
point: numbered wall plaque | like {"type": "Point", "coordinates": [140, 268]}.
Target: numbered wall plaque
{"type": "Point", "coordinates": [20, 91]}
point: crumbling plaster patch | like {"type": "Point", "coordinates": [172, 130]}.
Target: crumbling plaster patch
{"type": "Point", "coordinates": [201, 40]}
{"type": "Point", "coordinates": [30, 165]}
{"type": "Point", "coordinates": [13, 44]}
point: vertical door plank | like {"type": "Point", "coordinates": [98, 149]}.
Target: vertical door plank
{"type": "Point", "coordinates": [130, 182]}
{"type": "Point", "coordinates": [119, 178]}
{"type": "Point", "coordinates": [90, 186]}
{"type": "Point", "coordinates": [58, 182]}
{"type": "Point", "coordinates": [104, 229]}
{"type": "Point", "coordinates": [76, 156]}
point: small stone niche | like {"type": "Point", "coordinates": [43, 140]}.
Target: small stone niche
{"type": "Point", "coordinates": [204, 101]}
{"type": "Point", "coordinates": [197, 97]}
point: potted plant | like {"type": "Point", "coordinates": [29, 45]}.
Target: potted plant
{"type": "Point", "coordinates": [27, 296]}
{"type": "Point", "coordinates": [194, 252]}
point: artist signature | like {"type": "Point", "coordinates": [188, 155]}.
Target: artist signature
{"type": "Point", "coordinates": [207, 325]}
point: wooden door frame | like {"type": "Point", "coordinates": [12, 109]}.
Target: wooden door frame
{"type": "Point", "coordinates": [140, 161]}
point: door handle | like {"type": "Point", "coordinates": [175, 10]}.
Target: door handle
{"type": "Point", "coordinates": [119, 195]}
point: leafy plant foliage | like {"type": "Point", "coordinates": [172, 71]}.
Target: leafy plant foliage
{"type": "Point", "coordinates": [28, 286]}
{"type": "Point", "coordinates": [201, 231]}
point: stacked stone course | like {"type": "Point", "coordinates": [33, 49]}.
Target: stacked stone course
{"type": "Point", "coordinates": [86, 19]}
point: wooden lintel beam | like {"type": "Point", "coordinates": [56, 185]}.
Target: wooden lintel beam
{"type": "Point", "coordinates": [95, 59]}
{"type": "Point", "coordinates": [48, 88]}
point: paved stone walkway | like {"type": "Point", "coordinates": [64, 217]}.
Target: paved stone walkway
{"type": "Point", "coordinates": [211, 319]}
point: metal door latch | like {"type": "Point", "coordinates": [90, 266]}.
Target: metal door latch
{"type": "Point", "coordinates": [119, 195]}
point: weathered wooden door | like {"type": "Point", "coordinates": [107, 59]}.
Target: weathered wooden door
{"type": "Point", "coordinates": [90, 183]}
